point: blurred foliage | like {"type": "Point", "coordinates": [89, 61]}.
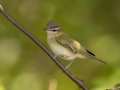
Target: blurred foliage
{"type": "Point", "coordinates": [96, 23]}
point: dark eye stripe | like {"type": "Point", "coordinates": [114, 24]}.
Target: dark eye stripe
{"type": "Point", "coordinates": [54, 29]}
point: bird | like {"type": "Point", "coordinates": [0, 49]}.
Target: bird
{"type": "Point", "coordinates": [65, 47]}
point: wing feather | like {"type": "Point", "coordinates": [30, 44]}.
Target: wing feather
{"type": "Point", "coordinates": [67, 42]}
{"type": "Point", "coordinates": [73, 45]}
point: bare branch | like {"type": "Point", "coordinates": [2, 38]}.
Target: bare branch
{"type": "Point", "coordinates": [40, 44]}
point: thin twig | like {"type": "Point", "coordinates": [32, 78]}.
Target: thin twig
{"type": "Point", "coordinates": [79, 82]}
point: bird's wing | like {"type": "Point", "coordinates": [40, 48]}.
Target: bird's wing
{"type": "Point", "coordinates": [69, 43]}
{"type": "Point", "coordinates": [73, 45]}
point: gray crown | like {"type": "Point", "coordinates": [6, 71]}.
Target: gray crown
{"type": "Point", "coordinates": [52, 26]}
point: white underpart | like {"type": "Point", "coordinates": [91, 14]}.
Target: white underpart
{"type": "Point", "coordinates": [81, 56]}
{"type": "Point", "coordinates": [59, 50]}
{"type": "Point", "coordinates": [1, 7]}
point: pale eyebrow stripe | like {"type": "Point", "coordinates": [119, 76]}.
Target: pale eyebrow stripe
{"type": "Point", "coordinates": [57, 28]}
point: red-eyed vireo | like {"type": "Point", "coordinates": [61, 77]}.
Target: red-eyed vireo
{"type": "Point", "coordinates": [65, 47]}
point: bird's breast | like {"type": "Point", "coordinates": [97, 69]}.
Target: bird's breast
{"type": "Point", "coordinates": [59, 50]}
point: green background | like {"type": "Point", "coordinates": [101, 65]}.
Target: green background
{"type": "Point", "coordinates": [95, 23]}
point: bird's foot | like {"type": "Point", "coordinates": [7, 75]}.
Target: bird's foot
{"type": "Point", "coordinates": [55, 56]}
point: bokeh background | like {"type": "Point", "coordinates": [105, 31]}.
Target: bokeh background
{"type": "Point", "coordinates": [95, 23]}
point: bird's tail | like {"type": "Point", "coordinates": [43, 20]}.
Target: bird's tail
{"type": "Point", "coordinates": [91, 57]}
{"type": "Point", "coordinates": [99, 60]}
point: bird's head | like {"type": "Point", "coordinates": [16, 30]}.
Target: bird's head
{"type": "Point", "coordinates": [52, 27]}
